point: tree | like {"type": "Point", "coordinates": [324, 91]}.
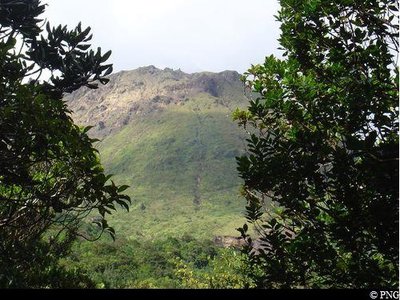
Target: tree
{"type": "Point", "coordinates": [321, 173]}
{"type": "Point", "coordinates": [50, 174]}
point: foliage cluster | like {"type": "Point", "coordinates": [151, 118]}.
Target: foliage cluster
{"type": "Point", "coordinates": [50, 174]}
{"type": "Point", "coordinates": [323, 147]}
{"type": "Point", "coordinates": [183, 262]}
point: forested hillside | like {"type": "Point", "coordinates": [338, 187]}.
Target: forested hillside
{"type": "Point", "coordinates": [170, 136]}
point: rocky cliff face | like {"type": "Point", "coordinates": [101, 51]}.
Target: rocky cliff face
{"type": "Point", "coordinates": [133, 94]}
{"type": "Point", "coordinates": [229, 241]}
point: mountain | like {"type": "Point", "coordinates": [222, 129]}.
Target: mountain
{"type": "Point", "coordinates": [170, 136]}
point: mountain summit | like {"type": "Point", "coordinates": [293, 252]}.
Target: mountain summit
{"type": "Point", "coordinates": [170, 136]}
{"type": "Point", "coordinates": [136, 93]}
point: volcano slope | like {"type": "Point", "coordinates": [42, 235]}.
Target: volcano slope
{"type": "Point", "coordinates": [170, 136]}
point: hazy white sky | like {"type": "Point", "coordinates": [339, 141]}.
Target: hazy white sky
{"type": "Point", "coordinates": [193, 35]}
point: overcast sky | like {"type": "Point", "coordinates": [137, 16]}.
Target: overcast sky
{"type": "Point", "coordinates": [193, 35]}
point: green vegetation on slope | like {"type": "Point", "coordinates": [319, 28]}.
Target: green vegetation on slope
{"type": "Point", "coordinates": [181, 165]}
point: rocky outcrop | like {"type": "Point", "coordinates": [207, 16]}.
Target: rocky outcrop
{"type": "Point", "coordinates": [227, 241]}
{"type": "Point", "coordinates": [145, 90]}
